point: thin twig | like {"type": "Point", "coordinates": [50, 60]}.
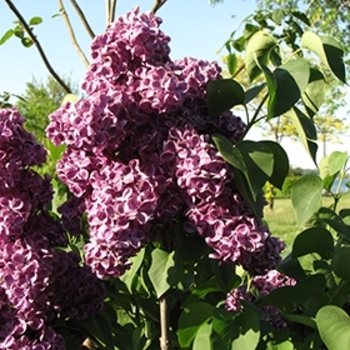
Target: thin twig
{"type": "Point", "coordinates": [83, 18]}
{"type": "Point", "coordinates": [38, 46]}
{"type": "Point", "coordinates": [108, 10]}
{"type": "Point", "coordinates": [164, 324]}
{"type": "Point", "coordinates": [113, 11]}
{"type": "Point", "coordinates": [72, 35]}
{"type": "Point", "coordinates": [157, 5]}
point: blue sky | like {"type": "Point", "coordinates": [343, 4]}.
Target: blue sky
{"type": "Point", "coordinates": [196, 28]}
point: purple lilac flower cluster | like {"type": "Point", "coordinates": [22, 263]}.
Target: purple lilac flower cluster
{"type": "Point", "coordinates": [139, 153]}
{"type": "Point", "coordinates": [262, 286]}
{"type": "Point", "coordinates": [33, 275]}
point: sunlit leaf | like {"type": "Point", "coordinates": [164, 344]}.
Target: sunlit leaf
{"type": "Point", "coordinates": [231, 63]}
{"type": "Point", "coordinates": [258, 50]}
{"type": "Point", "coordinates": [162, 272]}
{"type": "Point", "coordinates": [6, 36]}
{"type": "Point", "coordinates": [191, 320]}
{"type": "Point", "coordinates": [306, 195]}
{"type": "Point", "coordinates": [333, 324]}
{"type": "Point", "coordinates": [277, 16]}
{"type": "Point", "coordinates": [337, 161]}
{"type": "Point", "coordinates": [292, 77]}
{"type": "Point", "coordinates": [328, 50]}
{"type": "Point", "coordinates": [35, 21]}
{"type": "Point", "coordinates": [315, 92]}
{"type": "Point", "coordinates": [305, 128]}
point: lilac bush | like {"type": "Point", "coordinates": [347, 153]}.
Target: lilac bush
{"type": "Point", "coordinates": [139, 153]}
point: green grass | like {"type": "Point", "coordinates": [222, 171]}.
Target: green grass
{"type": "Point", "coordinates": [282, 221]}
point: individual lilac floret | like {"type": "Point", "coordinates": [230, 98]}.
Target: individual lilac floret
{"type": "Point", "coordinates": [263, 286]}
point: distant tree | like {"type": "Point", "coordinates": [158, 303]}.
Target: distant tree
{"type": "Point", "coordinates": [39, 100]}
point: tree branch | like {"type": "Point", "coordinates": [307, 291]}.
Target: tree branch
{"type": "Point", "coordinates": [38, 46]}
{"type": "Point", "coordinates": [164, 324]}
{"type": "Point", "coordinates": [72, 35]}
{"type": "Point", "coordinates": [157, 5]}
{"type": "Point", "coordinates": [108, 10]}
{"type": "Point", "coordinates": [113, 11]}
{"type": "Point", "coordinates": [83, 18]}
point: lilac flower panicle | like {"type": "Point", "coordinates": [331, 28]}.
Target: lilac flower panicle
{"type": "Point", "coordinates": [263, 285]}
{"type": "Point", "coordinates": [32, 280]}
{"type": "Point", "coordinates": [139, 154]}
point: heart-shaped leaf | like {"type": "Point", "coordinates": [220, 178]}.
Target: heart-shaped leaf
{"type": "Point", "coordinates": [333, 324]}
{"type": "Point", "coordinates": [306, 195]}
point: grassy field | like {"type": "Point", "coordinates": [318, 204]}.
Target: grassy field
{"type": "Point", "coordinates": [282, 221]}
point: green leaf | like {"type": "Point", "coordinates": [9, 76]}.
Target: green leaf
{"type": "Point", "coordinates": [341, 262]}
{"type": "Point", "coordinates": [328, 50]}
{"type": "Point", "coordinates": [19, 32]}
{"type": "Point", "coordinates": [223, 95]}
{"type": "Point", "coordinates": [202, 340]}
{"type": "Point", "coordinates": [337, 161]}
{"type": "Point", "coordinates": [106, 332]}
{"type": "Point", "coordinates": [333, 324]}
{"type": "Point", "coordinates": [129, 275]}
{"type": "Point", "coordinates": [191, 320]}
{"type": "Point", "coordinates": [292, 268]}
{"type": "Point", "coordinates": [292, 76]}
{"type": "Point", "coordinates": [35, 21]}
{"type": "Point", "coordinates": [305, 320]}
{"type": "Point", "coordinates": [223, 329]}
{"type": "Point", "coordinates": [258, 49]}
{"type": "Point", "coordinates": [259, 162]}
{"type": "Point", "coordinates": [231, 63]}
{"type": "Point", "coordinates": [255, 160]}
{"type": "Point", "coordinates": [6, 36]}
{"type": "Point", "coordinates": [314, 94]}
{"type": "Point", "coordinates": [253, 92]}
{"type": "Point", "coordinates": [247, 324]}
{"type": "Point", "coordinates": [225, 276]}
{"type": "Point", "coordinates": [254, 204]}
{"type": "Point", "coordinates": [56, 152]}
{"type": "Point", "coordinates": [204, 289]}
{"type": "Point", "coordinates": [277, 16]}
{"type": "Point", "coordinates": [162, 272]}
{"type": "Point", "coordinates": [306, 130]}
{"type": "Point", "coordinates": [334, 221]}
{"type": "Point", "coordinates": [302, 17]}
{"type": "Point", "coordinates": [306, 195]}
{"type": "Point", "coordinates": [285, 298]}
{"type": "Point", "coordinates": [313, 240]}
{"type": "Point", "coordinates": [280, 164]}
{"type": "Point", "coordinates": [27, 42]}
